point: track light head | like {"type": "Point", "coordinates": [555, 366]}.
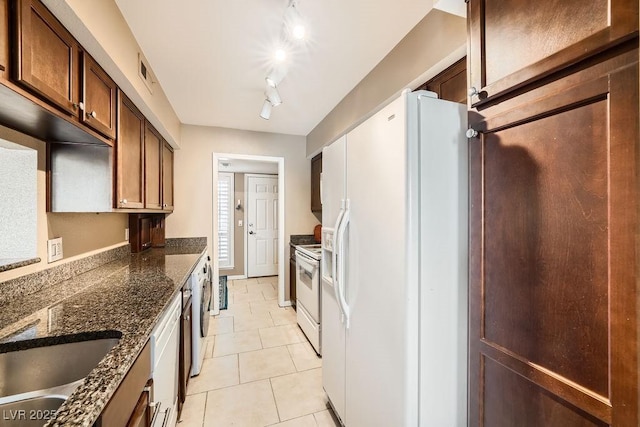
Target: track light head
{"type": "Point", "coordinates": [273, 96]}
{"type": "Point", "coordinates": [266, 110]}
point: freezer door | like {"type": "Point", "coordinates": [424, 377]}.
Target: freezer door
{"type": "Point", "coordinates": [333, 181]}
{"type": "Point", "coordinates": [333, 350]}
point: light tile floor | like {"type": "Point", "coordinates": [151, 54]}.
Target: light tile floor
{"type": "Point", "coordinates": [259, 369]}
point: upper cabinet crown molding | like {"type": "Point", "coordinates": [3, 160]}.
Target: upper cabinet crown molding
{"type": "Point", "coordinates": [515, 43]}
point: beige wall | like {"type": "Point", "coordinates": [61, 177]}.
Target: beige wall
{"type": "Point", "coordinates": [238, 232]}
{"type": "Point", "coordinates": [101, 29]}
{"type": "Point", "coordinates": [193, 185]}
{"type": "Point", "coordinates": [423, 53]}
{"type": "Point", "coordinates": [81, 233]}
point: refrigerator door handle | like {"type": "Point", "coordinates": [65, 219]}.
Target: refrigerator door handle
{"type": "Point", "coordinates": [342, 302]}
{"type": "Point", "coordinates": [334, 256]}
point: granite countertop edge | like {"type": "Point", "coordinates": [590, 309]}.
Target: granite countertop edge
{"type": "Point", "coordinates": [86, 403]}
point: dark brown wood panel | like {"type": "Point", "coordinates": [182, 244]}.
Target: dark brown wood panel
{"type": "Point", "coordinates": [316, 171]}
{"type": "Point", "coordinates": [99, 98]}
{"type": "Point", "coordinates": [185, 352]}
{"type": "Point", "coordinates": [451, 84]}
{"type": "Point", "coordinates": [515, 42]}
{"type": "Point", "coordinates": [167, 176]}
{"type": "Point", "coordinates": [4, 39]}
{"type": "Point", "coordinates": [47, 56]}
{"type": "Point", "coordinates": [553, 187]}
{"type": "Point", "coordinates": [141, 416]}
{"type": "Point", "coordinates": [129, 191]}
{"type": "Point", "coordinates": [124, 401]}
{"type": "Point", "coordinates": [518, 402]}
{"type": "Point", "coordinates": [152, 168]}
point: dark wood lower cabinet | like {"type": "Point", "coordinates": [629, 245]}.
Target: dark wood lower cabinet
{"type": "Point", "coordinates": [292, 275]}
{"type": "Point", "coordinates": [125, 401]}
{"type": "Point", "coordinates": [142, 414]}
{"type": "Point", "coordinates": [554, 220]}
{"type": "Point", "coordinates": [185, 354]}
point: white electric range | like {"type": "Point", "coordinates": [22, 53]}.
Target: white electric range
{"type": "Point", "coordinates": [308, 283]}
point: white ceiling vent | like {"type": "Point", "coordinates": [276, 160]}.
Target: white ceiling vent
{"type": "Point", "coordinates": [145, 73]}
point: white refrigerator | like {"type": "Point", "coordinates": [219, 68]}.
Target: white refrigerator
{"type": "Point", "coordinates": [394, 275]}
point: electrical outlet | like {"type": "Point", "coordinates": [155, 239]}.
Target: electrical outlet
{"type": "Point", "coordinates": [126, 234]}
{"type": "Point", "coordinates": [239, 223]}
{"type": "Point", "coordinates": [54, 249]}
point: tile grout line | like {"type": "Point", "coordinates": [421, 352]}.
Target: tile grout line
{"type": "Point", "coordinates": [275, 403]}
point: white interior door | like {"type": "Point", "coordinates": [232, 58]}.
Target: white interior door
{"type": "Point", "coordinates": [262, 225]}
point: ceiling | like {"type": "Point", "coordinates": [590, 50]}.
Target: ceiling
{"type": "Point", "coordinates": [211, 57]}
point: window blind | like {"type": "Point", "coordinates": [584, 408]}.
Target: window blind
{"type": "Point", "coordinates": [225, 219]}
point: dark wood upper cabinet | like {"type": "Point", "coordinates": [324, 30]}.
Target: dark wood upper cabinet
{"type": "Point", "coordinates": [316, 171]}
{"type": "Point", "coordinates": [167, 176]}
{"type": "Point", "coordinates": [4, 39]}
{"type": "Point", "coordinates": [46, 56]}
{"type": "Point", "coordinates": [451, 84]}
{"type": "Point", "coordinates": [129, 185]}
{"type": "Point", "coordinates": [98, 97]}
{"type": "Point", "coordinates": [515, 42]}
{"type": "Point", "coordinates": [554, 194]}
{"type": "Point", "coordinates": [153, 147]}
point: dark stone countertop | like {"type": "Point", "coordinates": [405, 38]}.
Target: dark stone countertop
{"type": "Point", "coordinates": [302, 239]}
{"type": "Point", "coordinates": [123, 298]}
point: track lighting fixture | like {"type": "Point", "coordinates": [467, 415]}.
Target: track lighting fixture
{"type": "Point", "coordinates": [266, 110]}
{"type": "Point", "coordinates": [293, 30]}
{"type": "Point", "coordinates": [273, 96]}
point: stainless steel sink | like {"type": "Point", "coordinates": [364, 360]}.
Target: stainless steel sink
{"type": "Point", "coordinates": [42, 378]}
{"type": "Point", "coordinates": [30, 412]}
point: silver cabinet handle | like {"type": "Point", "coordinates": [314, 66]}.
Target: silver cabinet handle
{"type": "Point", "coordinates": [471, 133]}
{"type": "Point", "coordinates": [473, 91]}
{"type": "Point", "coordinates": [123, 201]}
{"type": "Point", "coordinates": [92, 114]}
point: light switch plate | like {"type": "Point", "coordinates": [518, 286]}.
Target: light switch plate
{"type": "Point", "coordinates": [239, 223]}
{"type": "Point", "coordinates": [54, 249]}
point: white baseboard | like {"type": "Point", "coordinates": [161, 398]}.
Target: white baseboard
{"type": "Point", "coordinates": [237, 277]}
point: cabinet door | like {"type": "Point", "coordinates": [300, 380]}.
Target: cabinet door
{"type": "Point", "coordinates": [167, 176]}
{"type": "Point", "coordinates": [152, 168]}
{"type": "Point", "coordinates": [292, 279]}
{"type": "Point", "coordinates": [185, 352]}
{"type": "Point", "coordinates": [553, 260]}
{"type": "Point", "coordinates": [99, 98]}
{"type": "Point", "coordinates": [129, 153]}
{"type": "Point", "coordinates": [451, 84]}
{"type": "Point", "coordinates": [316, 170]}
{"type": "Point", "coordinates": [4, 39]}
{"type": "Point", "coordinates": [47, 56]}
{"type": "Point", "coordinates": [126, 399]}
{"type": "Point", "coordinates": [141, 416]}
{"type": "Point", "coordinates": [515, 42]}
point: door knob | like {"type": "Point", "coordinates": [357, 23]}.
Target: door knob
{"type": "Point", "coordinates": [251, 232]}
{"type": "Point", "coordinates": [472, 92]}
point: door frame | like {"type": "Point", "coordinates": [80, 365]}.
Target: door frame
{"type": "Point", "coordinates": [246, 218]}
{"type": "Point", "coordinates": [281, 217]}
